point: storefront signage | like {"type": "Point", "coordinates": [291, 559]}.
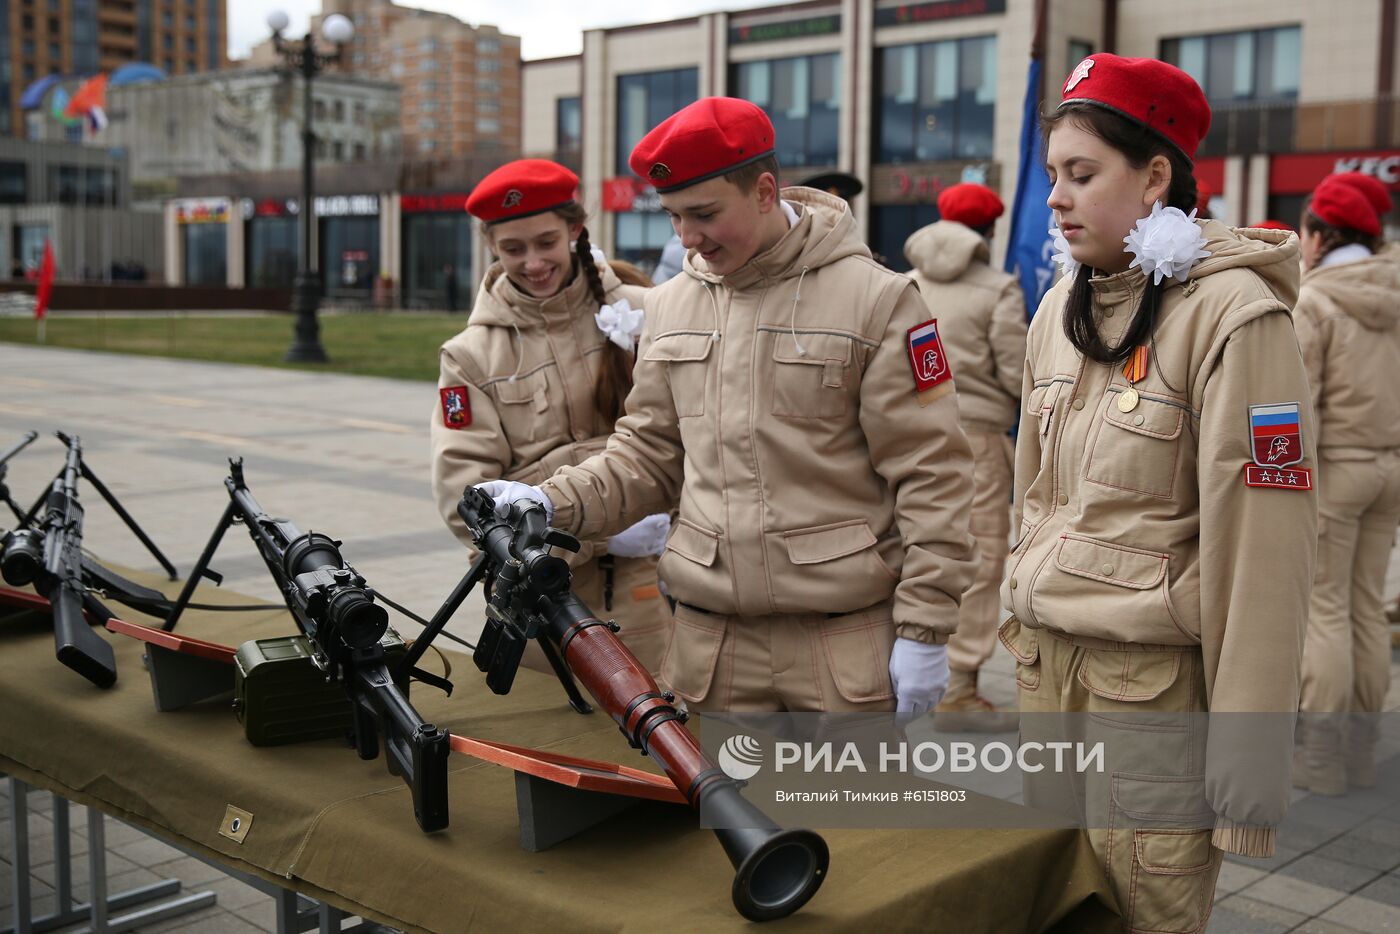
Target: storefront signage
{"type": "Point", "coordinates": [907, 13]}
{"type": "Point", "coordinates": [626, 193]}
{"type": "Point", "coordinates": [450, 202]}
{"type": "Point", "coordinates": [347, 206]}
{"type": "Point", "coordinates": [921, 182]}
{"type": "Point", "coordinates": [1300, 173]}
{"type": "Point", "coordinates": [268, 207]}
{"type": "Point", "coordinates": [201, 211]}
{"type": "Point", "coordinates": [786, 29]}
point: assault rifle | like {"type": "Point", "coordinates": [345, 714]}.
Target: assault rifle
{"type": "Point", "coordinates": [335, 609]}
{"type": "Point", "coordinates": [776, 870]}
{"type": "Point", "coordinates": [48, 553]}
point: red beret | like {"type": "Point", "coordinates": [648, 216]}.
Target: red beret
{"type": "Point", "coordinates": [701, 141]}
{"type": "Point", "coordinates": [1371, 188]}
{"type": "Point", "coordinates": [1339, 204]}
{"type": "Point", "coordinates": [1159, 96]}
{"type": "Point", "coordinates": [1271, 225]}
{"type": "Point", "coordinates": [522, 188]}
{"type": "Point", "coordinates": [976, 206]}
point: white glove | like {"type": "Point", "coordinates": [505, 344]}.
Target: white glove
{"type": "Point", "coordinates": [642, 539]}
{"type": "Point", "coordinates": [919, 674]}
{"type": "Point", "coordinates": [505, 492]}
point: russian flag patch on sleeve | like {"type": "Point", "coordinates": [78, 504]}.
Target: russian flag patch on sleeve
{"type": "Point", "coordinates": [926, 356]}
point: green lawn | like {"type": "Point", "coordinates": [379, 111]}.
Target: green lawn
{"type": "Point", "coordinates": [398, 345]}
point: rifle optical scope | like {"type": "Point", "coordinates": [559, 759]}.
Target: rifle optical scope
{"type": "Point", "coordinates": [332, 592]}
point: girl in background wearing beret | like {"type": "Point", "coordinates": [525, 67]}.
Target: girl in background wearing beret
{"type": "Point", "coordinates": [538, 377]}
{"type": "Point", "coordinates": [1165, 515]}
{"type": "Point", "coordinates": [1349, 330]}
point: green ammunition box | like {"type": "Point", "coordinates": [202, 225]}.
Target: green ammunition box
{"type": "Point", "coordinates": [281, 697]}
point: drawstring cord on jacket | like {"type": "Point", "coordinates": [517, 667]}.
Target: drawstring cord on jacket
{"type": "Point", "coordinates": [519, 351]}
{"type": "Point", "coordinates": [714, 307]}
{"type": "Point", "coordinates": [792, 324]}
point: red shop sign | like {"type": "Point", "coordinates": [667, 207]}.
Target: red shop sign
{"type": "Point", "coordinates": [1299, 173]}
{"type": "Point", "coordinates": [433, 204]}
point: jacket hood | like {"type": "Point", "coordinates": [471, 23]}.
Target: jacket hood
{"type": "Point", "coordinates": [825, 232]}
{"type": "Point", "coordinates": [501, 304]}
{"type": "Point", "coordinates": [944, 250]}
{"type": "Point", "coordinates": [1367, 290]}
{"type": "Point", "coordinates": [1271, 254]}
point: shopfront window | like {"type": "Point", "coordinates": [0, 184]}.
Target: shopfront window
{"type": "Point", "coordinates": [644, 100]}
{"type": "Point", "coordinates": [349, 254]}
{"type": "Point", "coordinates": [937, 100]}
{"type": "Point", "coordinates": [14, 183]}
{"type": "Point", "coordinates": [435, 244]}
{"type": "Point", "coordinates": [802, 96]}
{"type": "Point", "coordinates": [891, 225]}
{"type": "Point", "coordinates": [31, 244]}
{"type": "Point", "coordinates": [206, 254]}
{"type": "Point", "coordinates": [640, 238]}
{"type": "Point", "coordinates": [272, 252]}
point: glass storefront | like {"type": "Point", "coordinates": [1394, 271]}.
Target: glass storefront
{"type": "Point", "coordinates": [206, 254]}
{"type": "Point", "coordinates": [644, 100]}
{"type": "Point", "coordinates": [349, 255]}
{"type": "Point", "coordinates": [437, 248]}
{"type": "Point", "coordinates": [640, 238]}
{"type": "Point", "coordinates": [891, 225]}
{"type": "Point", "coordinates": [271, 248]}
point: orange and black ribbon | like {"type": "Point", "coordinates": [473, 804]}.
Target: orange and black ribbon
{"type": "Point", "coordinates": [1136, 367]}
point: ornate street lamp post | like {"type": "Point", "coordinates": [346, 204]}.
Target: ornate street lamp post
{"type": "Point", "coordinates": [303, 57]}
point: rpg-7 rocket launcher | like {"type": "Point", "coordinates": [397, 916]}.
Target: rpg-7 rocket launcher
{"type": "Point", "coordinates": [47, 552]}
{"type": "Point", "coordinates": [335, 610]}
{"type": "Point", "coordinates": [777, 870]}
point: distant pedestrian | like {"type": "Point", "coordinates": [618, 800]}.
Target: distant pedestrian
{"type": "Point", "coordinates": [450, 286]}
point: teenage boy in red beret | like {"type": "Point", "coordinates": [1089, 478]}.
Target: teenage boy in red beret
{"type": "Point", "coordinates": [983, 317]}
{"type": "Point", "coordinates": [794, 399]}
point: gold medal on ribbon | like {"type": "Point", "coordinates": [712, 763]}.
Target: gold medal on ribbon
{"type": "Point", "coordinates": [1133, 371]}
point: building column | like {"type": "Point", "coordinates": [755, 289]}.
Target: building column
{"type": "Point", "coordinates": [1256, 199]}
{"type": "Point", "coordinates": [235, 251]}
{"type": "Point", "coordinates": [391, 245]}
{"type": "Point", "coordinates": [174, 254]}
{"type": "Point", "coordinates": [1235, 195]}
{"type": "Point", "coordinates": [858, 102]}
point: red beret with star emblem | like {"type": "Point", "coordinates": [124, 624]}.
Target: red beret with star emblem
{"type": "Point", "coordinates": [977, 206]}
{"type": "Point", "coordinates": [1339, 204]}
{"type": "Point", "coordinates": [1159, 96]}
{"type": "Point", "coordinates": [1372, 188]}
{"type": "Point", "coordinates": [702, 141]}
{"type": "Point", "coordinates": [522, 188]}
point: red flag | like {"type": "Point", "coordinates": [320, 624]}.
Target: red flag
{"type": "Point", "coordinates": [45, 287]}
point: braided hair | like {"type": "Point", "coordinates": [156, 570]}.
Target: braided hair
{"type": "Point", "coordinates": [614, 379]}
{"type": "Point", "coordinates": [1139, 145]}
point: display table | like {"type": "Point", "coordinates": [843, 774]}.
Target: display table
{"type": "Point", "coordinates": [341, 830]}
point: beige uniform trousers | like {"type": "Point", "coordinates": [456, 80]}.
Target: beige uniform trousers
{"type": "Point", "coordinates": [637, 606]}
{"type": "Point", "coordinates": [1148, 818]}
{"type": "Point", "coordinates": [990, 524]}
{"type": "Point", "coordinates": [1346, 657]}
{"type": "Point", "coordinates": [799, 662]}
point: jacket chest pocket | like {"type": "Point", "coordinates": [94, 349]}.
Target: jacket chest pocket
{"type": "Point", "coordinates": [1139, 450]}
{"type": "Point", "coordinates": [525, 408]}
{"type": "Point", "coordinates": [811, 373]}
{"type": "Point", "coordinates": [686, 358]}
{"type": "Point", "coordinates": [1041, 405]}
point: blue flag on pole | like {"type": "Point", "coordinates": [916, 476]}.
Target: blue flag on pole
{"type": "Point", "coordinates": [1028, 255]}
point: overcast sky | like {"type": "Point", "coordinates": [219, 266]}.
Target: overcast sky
{"type": "Point", "coordinates": [546, 27]}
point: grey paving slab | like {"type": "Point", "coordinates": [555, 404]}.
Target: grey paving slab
{"type": "Point", "coordinates": [1355, 849]}
{"type": "Point", "coordinates": [1292, 894]}
{"type": "Point", "coordinates": [1385, 889]}
{"type": "Point", "coordinates": [1283, 856]}
{"type": "Point", "coordinates": [1240, 915]}
{"type": "Point", "coordinates": [1334, 874]}
{"type": "Point", "coordinates": [1235, 876]}
{"type": "Point", "coordinates": [1365, 914]}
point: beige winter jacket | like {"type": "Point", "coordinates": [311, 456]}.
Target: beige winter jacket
{"type": "Point", "coordinates": [1138, 526]}
{"type": "Point", "coordinates": [1348, 320]}
{"type": "Point", "coordinates": [982, 321]}
{"type": "Point", "coordinates": [810, 478]}
{"type": "Point", "coordinates": [529, 367]}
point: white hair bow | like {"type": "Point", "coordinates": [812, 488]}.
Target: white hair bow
{"type": "Point", "coordinates": [621, 323]}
